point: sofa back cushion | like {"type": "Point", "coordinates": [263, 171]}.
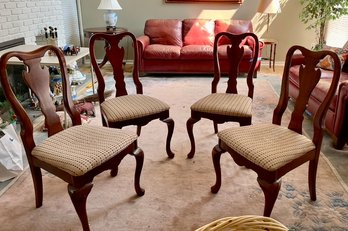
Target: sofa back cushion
{"type": "Point", "coordinates": [232, 26]}
{"type": "Point", "coordinates": [164, 31]}
{"type": "Point", "coordinates": [198, 32]}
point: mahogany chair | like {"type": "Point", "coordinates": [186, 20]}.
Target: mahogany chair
{"type": "Point", "coordinates": [76, 154]}
{"type": "Point", "coordinates": [229, 106]}
{"type": "Point", "coordinates": [126, 109]}
{"type": "Point", "coordinates": [272, 150]}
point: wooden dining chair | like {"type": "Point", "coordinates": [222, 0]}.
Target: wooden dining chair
{"type": "Point", "coordinates": [272, 150]}
{"type": "Point", "coordinates": [75, 154]}
{"type": "Point", "coordinates": [229, 106]}
{"type": "Point", "coordinates": [127, 109]}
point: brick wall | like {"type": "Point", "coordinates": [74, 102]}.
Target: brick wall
{"type": "Point", "coordinates": [24, 18]}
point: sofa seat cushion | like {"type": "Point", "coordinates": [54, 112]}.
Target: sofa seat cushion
{"type": "Point", "coordinates": [198, 32]}
{"type": "Point", "coordinates": [197, 52]}
{"type": "Point", "coordinates": [164, 31]}
{"type": "Point", "coordinates": [248, 53]}
{"type": "Point", "coordinates": [157, 51]}
{"type": "Point", "coordinates": [322, 87]}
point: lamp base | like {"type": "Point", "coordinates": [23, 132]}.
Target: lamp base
{"type": "Point", "coordinates": [110, 28]}
{"type": "Point", "coordinates": [110, 18]}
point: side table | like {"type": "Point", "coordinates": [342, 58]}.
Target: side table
{"type": "Point", "coordinates": [88, 32]}
{"type": "Point", "coordinates": [272, 43]}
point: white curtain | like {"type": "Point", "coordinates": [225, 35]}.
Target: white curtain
{"type": "Point", "coordinates": [71, 22]}
{"type": "Point", "coordinates": [337, 32]}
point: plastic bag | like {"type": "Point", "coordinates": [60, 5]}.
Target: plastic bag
{"type": "Point", "coordinates": [11, 151]}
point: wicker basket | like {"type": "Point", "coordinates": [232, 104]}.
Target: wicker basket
{"type": "Point", "coordinates": [247, 222]}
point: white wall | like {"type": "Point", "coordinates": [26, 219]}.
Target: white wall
{"type": "Point", "coordinates": [22, 18]}
{"type": "Point", "coordinates": [27, 19]}
{"type": "Point", "coordinates": [285, 27]}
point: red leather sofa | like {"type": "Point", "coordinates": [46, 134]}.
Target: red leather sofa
{"type": "Point", "coordinates": [186, 46]}
{"type": "Point", "coordinates": [336, 121]}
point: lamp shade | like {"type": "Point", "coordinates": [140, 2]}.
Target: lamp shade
{"type": "Point", "coordinates": [109, 5]}
{"type": "Point", "coordinates": [269, 7]}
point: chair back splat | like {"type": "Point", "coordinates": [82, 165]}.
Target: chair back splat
{"type": "Point", "coordinates": [235, 54]}
{"type": "Point", "coordinates": [272, 150]}
{"type": "Point", "coordinates": [75, 154]}
{"type": "Point", "coordinates": [309, 77]}
{"type": "Point", "coordinates": [116, 56]}
{"type": "Point", "coordinates": [126, 109]}
{"type": "Point", "coordinates": [37, 77]}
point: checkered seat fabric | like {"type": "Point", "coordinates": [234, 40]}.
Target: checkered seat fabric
{"type": "Point", "coordinates": [81, 148]}
{"type": "Point", "coordinates": [118, 109]}
{"type": "Point", "coordinates": [267, 145]}
{"type": "Point", "coordinates": [225, 104]}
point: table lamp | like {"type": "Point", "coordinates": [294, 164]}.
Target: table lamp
{"type": "Point", "coordinates": [110, 16]}
{"type": "Point", "coordinates": [269, 7]}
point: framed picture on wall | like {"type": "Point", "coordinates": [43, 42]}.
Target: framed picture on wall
{"type": "Point", "coordinates": [229, 1]}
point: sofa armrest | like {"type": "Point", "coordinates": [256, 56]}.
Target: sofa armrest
{"type": "Point", "coordinates": [341, 114]}
{"type": "Point", "coordinates": [250, 42]}
{"type": "Point", "coordinates": [297, 59]}
{"type": "Point", "coordinates": [261, 46]}
{"type": "Point", "coordinates": [143, 41]}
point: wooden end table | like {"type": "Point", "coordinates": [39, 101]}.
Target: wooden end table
{"type": "Point", "coordinates": [272, 43]}
{"type": "Point", "coordinates": [88, 32]}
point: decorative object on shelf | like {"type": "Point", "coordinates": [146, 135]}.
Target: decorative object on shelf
{"type": "Point", "coordinates": [51, 35]}
{"type": "Point", "coordinates": [318, 13]}
{"type": "Point", "coordinates": [269, 7]}
{"type": "Point", "coordinates": [70, 49]}
{"type": "Point", "coordinates": [75, 75]}
{"type": "Point", "coordinates": [110, 16]}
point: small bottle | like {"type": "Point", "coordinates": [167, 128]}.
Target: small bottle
{"type": "Point", "coordinates": [73, 92]}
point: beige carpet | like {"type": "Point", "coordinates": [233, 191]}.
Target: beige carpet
{"type": "Point", "coordinates": [177, 193]}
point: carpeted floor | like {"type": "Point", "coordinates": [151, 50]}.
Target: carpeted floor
{"type": "Point", "coordinates": [178, 191]}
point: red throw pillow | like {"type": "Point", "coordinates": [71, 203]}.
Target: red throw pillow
{"type": "Point", "coordinates": [198, 32]}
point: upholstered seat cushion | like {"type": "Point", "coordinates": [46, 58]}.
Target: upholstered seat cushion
{"type": "Point", "coordinates": [267, 145]}
{"type": "Point", "coordinates": [79, 149]}
{"type": "Point", "coordinates": [225, 104]}
{"type": "Point", "coordinates": [197, 52]}
{"type": "Point", "coordinates": [117, 109]}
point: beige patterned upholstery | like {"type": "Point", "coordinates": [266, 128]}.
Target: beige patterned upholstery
{"type": "Point", "coordinates": [267, 145]}
{"type": "Point", "coordinates": [117, 109]}
{"type": "Point", "coordinates": [247, 222]}
{"type": "Point", "coordinates": [79, 149]}
{"type": "Point", "coordinates": [233, 105]}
